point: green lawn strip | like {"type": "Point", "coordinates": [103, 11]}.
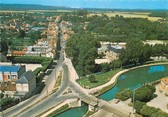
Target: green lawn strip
{"type": "Point", "coordinates": [58, 82]}
{"type": "Point", "coordinates": [59, 110]}
{"type": "Point", "coordinates": [101, 79]}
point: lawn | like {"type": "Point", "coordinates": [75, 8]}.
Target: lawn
{"type": "Point", "coordinates": [101, 79]}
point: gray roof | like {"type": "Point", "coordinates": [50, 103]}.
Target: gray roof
{"type": "Point", "coordinates": [25, 77]}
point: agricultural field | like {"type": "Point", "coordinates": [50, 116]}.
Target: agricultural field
{"type": "Point", "coordinates": [129, 14]}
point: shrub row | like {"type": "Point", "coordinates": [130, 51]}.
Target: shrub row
{"type": "Point", "coordinates": [147, 111]}
{"type": "Point", "coordinates": [37, 70]}
{"type": "Point", "coordinates": [30, 59]}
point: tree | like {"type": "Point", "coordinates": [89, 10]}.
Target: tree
{"type": "Point", "coordinates": [3, 46]}
{"type": "Point", "coordinates": [138, 106]}
{"type": "Point", "coordinates": [82, 49]}
{"type": "Point", "coordinates": [148, 111]}
{"type": "Point", "coordinates": [92, 78]}
{"type": "Point", "coordinates": [21, 33]}
{"type": "Point", "coordinates": [144, 93]}
{"type": "Point", "coordinates": [124, 95]}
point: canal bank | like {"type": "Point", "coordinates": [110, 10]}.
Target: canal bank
{"type": "Point", "coordinates": [126, 79]}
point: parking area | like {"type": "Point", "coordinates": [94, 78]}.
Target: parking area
{"type": "Point", "coordinates": [161, 101]}
{"type": "Point", "coordinates": [31, 66]}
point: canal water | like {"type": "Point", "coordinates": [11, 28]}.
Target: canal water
{"type": "Point", "coordinates": [131, 79]}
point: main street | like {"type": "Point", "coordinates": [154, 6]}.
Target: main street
{"type": "Point", "coordinates": [50, 82]}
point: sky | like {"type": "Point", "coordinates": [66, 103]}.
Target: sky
{"type": "Point", "coordinates": [114, 4]}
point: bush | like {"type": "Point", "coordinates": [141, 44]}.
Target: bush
{"type": "Point", "coordinates": [6, 101]}
{"type": "Point", "coordinates": [92, 78]}
{"type": "Point", "coordinates": [138, 106]}
{"type": "Point", "coordinates": [124, 95]}
{"type": "Point", "coordinates": [148, 111]}
{"type": "Point", "coordinates": [160, 114]}
{"type": "Point", "coordinates": [144, 93]}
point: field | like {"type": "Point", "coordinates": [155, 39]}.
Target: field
{"type": "Point", "coordinates": [129, 15]}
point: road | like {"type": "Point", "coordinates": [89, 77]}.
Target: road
{"type": "Point", "coordinates": [36, 98]}
{"type": "Point", "coordinates": [53, 99]}
{"type": "Point", "coordinates": [34, 106]}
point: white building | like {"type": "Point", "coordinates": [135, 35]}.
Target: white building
{"type": "Point", "coordinates": [44, 51]}
{"type": "Point", "coordinates": [110, 51]}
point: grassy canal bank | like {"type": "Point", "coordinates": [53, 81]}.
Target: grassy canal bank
{"type": "Point", "coordinates": [100, 79]}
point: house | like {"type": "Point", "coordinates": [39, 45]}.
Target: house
{"type": "Point", "coordinates": [26, 84]}
{"type": "Point", "coordinates": [164, 85]}
{"type": "Point", "coordinates": [110, 50]}
{"type": "Point", "coordinates": [39, 50]}
{"type": "Point", "coordinates": [11, 73]}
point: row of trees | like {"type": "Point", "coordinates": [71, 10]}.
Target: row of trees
{"type": "Point", "coordinates": [143, 94]}
{"type": "Point", "coordinates": [82, 49]}
{"type": "Point", "coordinates": [147, 111]}
{"type": "Point", "coordinates": [138, 52]}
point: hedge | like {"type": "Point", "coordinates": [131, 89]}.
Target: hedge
{"type": "Point", "coordinates": [31, 59]}
{"type": "Point", "coordinates": [37, 70]}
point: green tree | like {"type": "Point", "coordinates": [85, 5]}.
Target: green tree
{"type": "Point", "coordinates": [144, 93]}
{"type": "Point", "coordinates": [92, 78]}
{"type": "Point", "coordinates": [148, 111]}
{"type": "Point", "coordinates": [21, 33]}
{"type": "Point", "coordinates": [124, 95]}
{"type": "Point", "coordinates": [138, 106]}
{"type": "Point", "coordinates": [82, 49]}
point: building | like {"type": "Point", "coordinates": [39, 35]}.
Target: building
{"type": "Point", "coordinates": [26, 84]}
{"type": "Point", "coordinates": [18, 53]}
{"type": "Point", "coordinates": [110, 51]}
{"type": "Point", "coordinates": [164, 85]}
{"type": "Point", "coordinates": [11, 73]}
{"type": "Point", "coordinates": [44, 51]}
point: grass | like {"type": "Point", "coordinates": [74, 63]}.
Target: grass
{"type": "Point", "coordinates": [101, 79]}
{"type": "Point", "coordinates": [58, 82]}
{"type": "Point", "coordinates": [59, 110]}
{"type": "Point", "coordinates": [56, 112]}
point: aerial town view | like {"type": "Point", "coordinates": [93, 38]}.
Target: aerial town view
{"type": "Point", "coordinates": [83, 58]}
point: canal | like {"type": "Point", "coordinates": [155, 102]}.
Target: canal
{"type": "Point", "coordinates": [131, 79]}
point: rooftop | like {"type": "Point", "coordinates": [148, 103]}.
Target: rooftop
{"type": "Point", "coordinates": [10, 68]}
{"type": "Point", "coordinates": [18, 52]}
{"type": "Point", "coordinates": [26, 77]}
{"type": "Point", "coordinates": [165, 80]}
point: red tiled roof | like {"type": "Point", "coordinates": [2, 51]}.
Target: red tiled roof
{"type": "Point", "coordinates": [18, 52]}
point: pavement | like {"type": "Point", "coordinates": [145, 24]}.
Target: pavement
{"type": "Point", "coordinates": [161, 101]}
